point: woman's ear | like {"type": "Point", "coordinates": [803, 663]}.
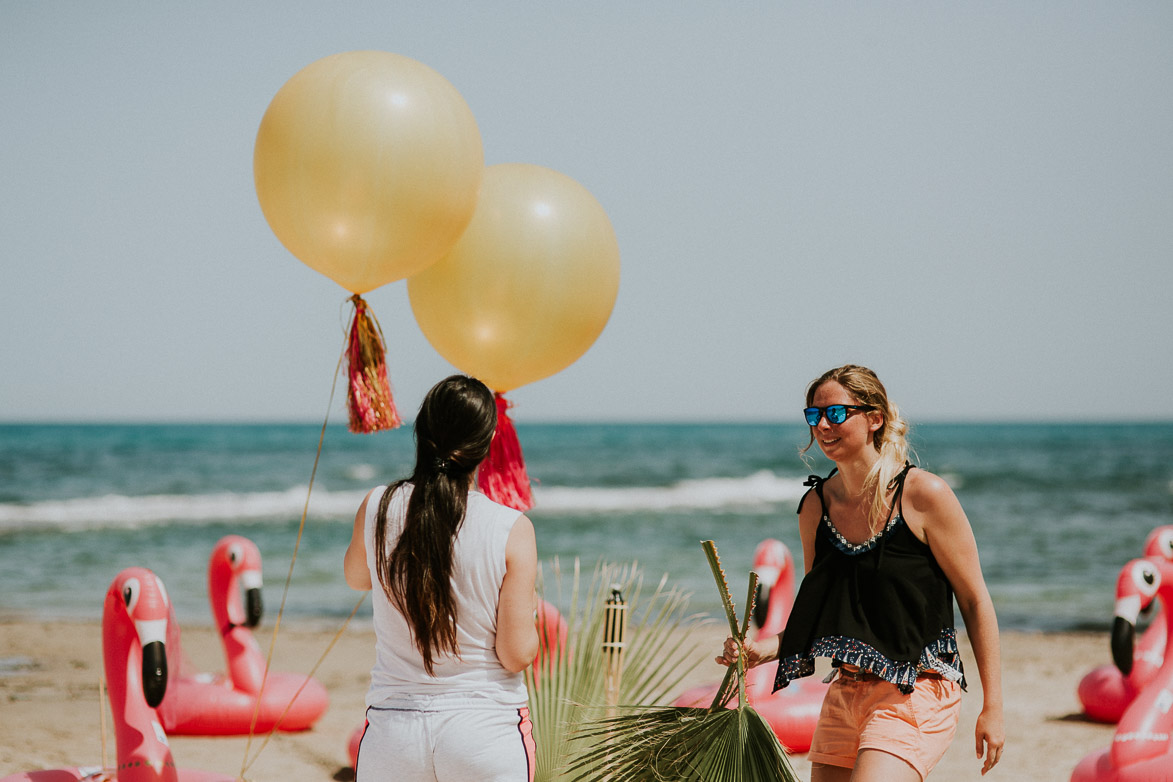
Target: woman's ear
{"type": "Point", "coordinates": [875, 420]}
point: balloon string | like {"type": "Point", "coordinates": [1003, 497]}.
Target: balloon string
{"type": "Point", "coordinates": [102, 716]}
{"type": "Point", "coordinates": [308, 676]}
{"type": "Point", "coordinates": [245, 763]}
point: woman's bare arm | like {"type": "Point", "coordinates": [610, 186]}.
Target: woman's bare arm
{"type": "Point", "coordinates": [354, 564]}
{"type": "Point", "coordinates": [517, 633]}
{"type": "Point", "coordinates": [766, 649]}
{"type": "Point", "coordinates": [936, 510]}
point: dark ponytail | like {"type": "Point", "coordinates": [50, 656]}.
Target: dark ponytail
{"type": "Point", "coordinates": [453, 431]}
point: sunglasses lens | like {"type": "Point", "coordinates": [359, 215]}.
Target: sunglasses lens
{"type": "Point", "coordinates": [812, 416]}
{"type": "Point", "coordinates": [836, 414]}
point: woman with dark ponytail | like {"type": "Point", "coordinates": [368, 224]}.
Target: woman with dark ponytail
{"type": "Point", "coordinates": [454, 607]}
{"type": "Point", "coordinates": [887, 549]}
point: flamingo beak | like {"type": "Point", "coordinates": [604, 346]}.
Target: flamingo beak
{"type": "Point", "coordinates": [1128, 608]}
{"type": "Point", "coordinates": [254, 606]}
{"type": "Point", "coordinates": [154, 673]}
{"type": "Point", "coordinates": [1123, 641]}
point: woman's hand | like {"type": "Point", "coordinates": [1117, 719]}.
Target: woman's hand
{"type": "Point", "coordinates": [756, 652]}
{"type": "Point", "coordinates": [990, 737]}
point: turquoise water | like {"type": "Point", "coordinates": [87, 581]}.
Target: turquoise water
{"type": "Point", "coordinates": [1056, 508]}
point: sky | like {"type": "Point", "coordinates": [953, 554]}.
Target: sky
{"type": "Point", "coordinates": [973, 199]}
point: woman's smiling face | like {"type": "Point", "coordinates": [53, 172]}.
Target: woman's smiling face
{"type": "Point", "coordinates": [838, 441]}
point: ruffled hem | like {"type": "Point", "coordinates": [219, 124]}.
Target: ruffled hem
{"type": "Point", "coordinates": [941, 657]}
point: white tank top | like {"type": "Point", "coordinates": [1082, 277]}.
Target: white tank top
{"type": "Point", "coordinates": [477, 573]}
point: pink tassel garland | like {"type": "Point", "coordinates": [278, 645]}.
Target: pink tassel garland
{"type": "Point", "coordinates": [502, 475]}
{"type": "Point", "coordinates": [369, 397]}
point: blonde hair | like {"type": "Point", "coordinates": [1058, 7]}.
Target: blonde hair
{"type": "Point", "coordinates": [890, 440]}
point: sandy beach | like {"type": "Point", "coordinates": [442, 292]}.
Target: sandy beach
{"type": "Point", "coordinates": [50, 714]}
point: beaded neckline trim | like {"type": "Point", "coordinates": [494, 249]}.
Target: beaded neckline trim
{"type": "Point", "coordinates": [847, 547]}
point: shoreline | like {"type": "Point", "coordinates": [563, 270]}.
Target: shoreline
{"type": "Point", "coordinates": [45, 665]}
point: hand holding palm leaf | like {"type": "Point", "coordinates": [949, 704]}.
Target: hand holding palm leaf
{"type": "Point", "coordinates": [679, 743]}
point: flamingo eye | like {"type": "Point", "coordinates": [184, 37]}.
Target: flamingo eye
{"type": "Point", "coordinates": [1165, 543]}
{"type": "Point", "coordinates": [130, 592]}
{"type": "Point", "coordinates": [235, 554]}
{"type": "Point", "coordinates": [1146, 579]}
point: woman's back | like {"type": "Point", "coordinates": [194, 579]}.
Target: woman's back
{"type": "Point", "coordinates": [477, 573]}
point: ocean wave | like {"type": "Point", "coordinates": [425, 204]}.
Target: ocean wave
{"type": "Point", "coordinates": [114, 510]}
{"type": "Point", "coordinates": [763, 490]}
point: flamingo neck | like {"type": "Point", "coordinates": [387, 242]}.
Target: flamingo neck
{"type": "Point", "coordinates": [142, 750]}
{"type": "Point", "coordinates": [226, 610]}
{"type": "Point", "coordinates": [246, 663]}
{"type": "Point", "coordinates": [1165, 672]}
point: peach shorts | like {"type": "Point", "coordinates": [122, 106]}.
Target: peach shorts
{"type": "Point", "coordinates": [873, 714]}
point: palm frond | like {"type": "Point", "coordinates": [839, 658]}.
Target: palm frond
{"type": "Point", "coordinates": [566, 688]}
{"type": "Point", "coordinates": [677, 743]}
{"type": "Point", "coordinates": [680, 743]}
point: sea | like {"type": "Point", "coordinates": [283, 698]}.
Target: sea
{"type": "Point", "coordinates": [1057, 508]}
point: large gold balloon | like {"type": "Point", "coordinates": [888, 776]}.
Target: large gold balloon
{"type": "Point", "coordinates": [367, 166]}
{"type": "Point", "coordinates": [528, 287]}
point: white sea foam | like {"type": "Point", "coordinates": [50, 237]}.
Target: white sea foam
{"type": "Point", "coordinates": [361, 472]}
{"type": "Point", "coordinates": [115, 510]}
{"type": "Point", "coordinates": [763, 489]}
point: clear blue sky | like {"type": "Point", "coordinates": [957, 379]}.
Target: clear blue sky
{"type": "Point", "coordinates": [974, 199]}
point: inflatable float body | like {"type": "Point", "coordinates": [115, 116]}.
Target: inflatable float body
{"type": "Point", "coordinates": [552, 632]}
{"type": "Point", "coordinates": [792, 711]}
{"type": "Point", "coordinates": [215, 704]}
{"type": "Point", "coordinates": [134, 632]}
{"type": "Point", "coordinates": [1105, 692]}
{"type": "Point", "coordinates": [1142, 747]}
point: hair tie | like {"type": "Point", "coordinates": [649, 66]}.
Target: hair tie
{"type": "Point", "coordinates": [442, 465]}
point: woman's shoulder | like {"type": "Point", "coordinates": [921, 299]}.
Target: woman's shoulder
{"type": "Point", "coordinates": [812, 505]}
{"type": "Point", "coordinates": [482, 505]}
{"type": "Point", "coordinates": [817, 484]}
{"type": "Point", "coordinates": [925, 491]}
{"type": "Point", "coordinates": [376, 493]}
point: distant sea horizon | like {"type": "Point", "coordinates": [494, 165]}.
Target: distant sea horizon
{"type": "Point", "coordinates": [1057, 507]}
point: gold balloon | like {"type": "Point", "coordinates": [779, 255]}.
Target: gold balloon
{"type": "Point", "coordinates": [367, 166]}
{"type": "Point", "coordinates": [528, 287]}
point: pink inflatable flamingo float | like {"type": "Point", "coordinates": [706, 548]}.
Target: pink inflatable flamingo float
{"type": "Point", "coordinates": [1141, 749]}
{"type": "Point", "coordinates": [792, 711]}
{"type": "Point", "coordinates": [1105, 691]}
{"type": "Point", "coordinates": [214, 704]}
{"type": "Point", "coordinates": [134, 629]}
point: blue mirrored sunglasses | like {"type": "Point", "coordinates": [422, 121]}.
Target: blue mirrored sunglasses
{"type": "Point", "coordinates": [836, 414]}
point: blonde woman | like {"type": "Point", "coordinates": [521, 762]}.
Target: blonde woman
{"type": "Point", "coordinates": [887, 548]}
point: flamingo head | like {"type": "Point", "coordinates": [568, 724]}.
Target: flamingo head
{"type": "Point", "coordinates": [1136, 589]}
{"type": "Point", "coordinates": [137, 608]}
{"type": "Point", "coordinates": [235, 564]}
{"type": "Point", "coordinates": [1159, 543]}
{"type": "Point", "coordinates": [774, 564]}
{"type": "Point", "coordinates": [769, 559]}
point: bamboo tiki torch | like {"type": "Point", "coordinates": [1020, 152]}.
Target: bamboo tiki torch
{"type": "Point", "coordinates": [614, 641]}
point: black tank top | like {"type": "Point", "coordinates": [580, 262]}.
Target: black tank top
{"type": "Point", "coordinates": [884, 606]}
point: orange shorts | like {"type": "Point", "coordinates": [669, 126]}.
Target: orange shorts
{"type": "Point", "coordinates": [873, 714]}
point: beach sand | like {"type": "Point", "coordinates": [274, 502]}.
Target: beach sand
{"type": "Point", "coordinates": [49, 707]}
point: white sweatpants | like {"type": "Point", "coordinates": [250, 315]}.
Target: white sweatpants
{"type": "Point", "coordinates": [446, 739]}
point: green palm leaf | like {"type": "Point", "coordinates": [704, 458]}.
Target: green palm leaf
{"type": "Point", "coordinates": [674, 743]}
{"type": "Point", "coordinates": [566, 689]}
